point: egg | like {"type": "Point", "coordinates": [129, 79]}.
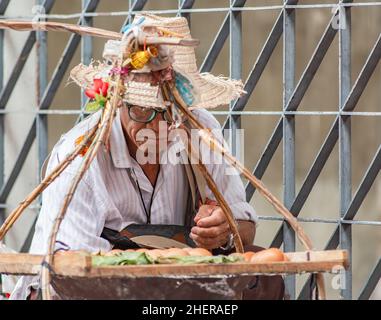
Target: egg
{"type": "Point", "coordinates": [188, 249]}
{"type": "Point", "coordinates": [198, 252]}
{"type": "Point", "coordinates": [268, 255]}
{"type": "Point", "coordinates": [174, 252]}
{"type": "Point", "coordinates": [248, 255]}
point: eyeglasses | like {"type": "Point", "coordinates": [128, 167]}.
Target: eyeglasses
{"type": "Point", "coordinates": [147, 115]}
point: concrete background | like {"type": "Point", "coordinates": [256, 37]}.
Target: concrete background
{"type": "Point", "coordinates": [310, 130]}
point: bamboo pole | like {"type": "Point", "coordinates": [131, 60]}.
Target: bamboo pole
{"type": "Point", "coordinates": [214, 145]}
{"type": "Point", "coordinates": [102, 137]}
{"type": "Point", "coordinates": [58, 26]}
{"type": "Point", "coordinates": [210, 182]}
{"type": "Point", "coordinates": [90, 155]}
{"type": "Point", "coordinates": [219, 197]}
{"type": "Point", "coordinates": [95, 32]}
{"type": "Point", "coordinates": [16, 213]}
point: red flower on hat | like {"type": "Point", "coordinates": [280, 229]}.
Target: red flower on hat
{"type": "Point", "coordinates": [99, 87]}
{"type": "Point", "coordinates": [98, 95]}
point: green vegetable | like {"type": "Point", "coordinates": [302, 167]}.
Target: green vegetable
{"type": "Point", "coordinates": [124, 258]}
{"type": "Point", "coordinates": [138, 258]}
{"type": "Point", "coordinates": [200, 259]}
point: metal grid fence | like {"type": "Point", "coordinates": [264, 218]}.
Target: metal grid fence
{"type": "Point", "coordinates": [284, 131]}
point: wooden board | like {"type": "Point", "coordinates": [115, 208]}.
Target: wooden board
{"type": "Point", "coordinates": [29, 264]}
{"type": "Point", "coordinates": [79, 265]}
{"type": "Point", "coordinates": [151, 288]}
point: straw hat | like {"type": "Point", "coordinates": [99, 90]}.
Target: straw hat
{"type": "Point", "coordinates": [209, 91]}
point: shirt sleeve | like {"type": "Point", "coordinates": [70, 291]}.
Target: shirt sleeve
{"type": "Point", "coordinates": [80, 229]}
{"type": "Point", "coordinates": [84, 219]}
{"type": "Point", "coordinates": [226, 177]}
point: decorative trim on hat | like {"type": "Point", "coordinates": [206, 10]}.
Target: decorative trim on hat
{"type": "Point", "coordinates": [207, 91]}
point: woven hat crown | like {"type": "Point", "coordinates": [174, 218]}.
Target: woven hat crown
{"type": "Point", "coordinates": [211, 91]}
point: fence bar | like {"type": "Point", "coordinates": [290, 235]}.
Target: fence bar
{"type": "Point", "coordinates": [321, 220]}
{"type": "Point", "coordinates": [345, 165]}
{"type": "Point", "coordinates": [15, 74]}
{"type": "Point", "coordinates": [371, 174]}
{"type": "Point", "coordinates": [3, 8]}
{"type": "Point", "coordinates": [259, 66]}
{"type": "Point", "coordinates": [372, 282]}
{"type": "Point", "coordinates": [261, 62]}
{"type": "Point", "coordinates": [200, 10]}
{"type": "Point", "coordinates": [235, 67]}
{"type": "Point", "coordinates": [86, 53]}
{"type": "Point", "coordinates": [350, 104]}
{"type": "Point", "coordinates": [133, 5]}
{"type": "Point", "coordinates": [294, 101]}
{"type": "Point", "coordinates": [219, 40]}
{"type": "Point", "coordinates": [8, 184]}
{"type": "Point", "coordinates": [45, 103]}
{"type": "Point", "coordinates": [185, 5]}
{"type": "Point", "coordinates": [288, 136]}
{"type": "Point", "coordinates": [332, 137]}
{"type": "Point", "coordinates": [42, 80]}
{"type": "Point", "coordinates": [49, 93]}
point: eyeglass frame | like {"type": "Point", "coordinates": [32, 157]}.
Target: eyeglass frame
{"type": "Point", "coordinates": [154, 114]}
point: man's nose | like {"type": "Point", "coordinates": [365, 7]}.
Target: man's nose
{"type": "Point", "coordinates": [157, 125]}
{"type": "Point", "coordinates": [154, 124]}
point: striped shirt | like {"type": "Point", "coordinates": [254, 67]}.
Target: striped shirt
{"type": "Point", "coordinates": [106, 196]}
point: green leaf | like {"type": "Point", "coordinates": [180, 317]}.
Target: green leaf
{"type": "Point", "coordinates": [138, 258]}
{"type": "Point", "coordinates": [129, 257]}
{"type": "Point", "coordinates": [200, 259]}
{"type": "Point", "coordinates": [92, 106]}
{"type": "Point", "coordinates": [98, 97]}
{"type": "Point", "coordinates": [102, 102]}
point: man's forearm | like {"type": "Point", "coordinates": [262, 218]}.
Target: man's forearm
{"type": "Point", "coordinates": [246, 230]}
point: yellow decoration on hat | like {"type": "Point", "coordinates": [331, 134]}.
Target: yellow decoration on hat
{"type": "Point", "coordinates": [140, 58]}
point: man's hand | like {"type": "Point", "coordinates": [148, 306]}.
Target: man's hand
{"type": "Point", "coordinates": [212, 229]}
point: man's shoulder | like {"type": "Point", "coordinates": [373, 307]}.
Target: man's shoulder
{"type": "Point", "coordinates": [66, 144]}
{"type": "Point", "coordinates": [206, 118]}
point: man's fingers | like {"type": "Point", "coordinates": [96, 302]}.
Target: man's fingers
{"type": "Point", "coordinates": [210, 242]}
{"type": "Point", "coordinates": [204, 211]}
{"type": "Point", "coordinates": [216, 218]}
{"type": "Point", "coordinates": [211, 246]}
{"type": "Point", "coordinates": [211, 232]}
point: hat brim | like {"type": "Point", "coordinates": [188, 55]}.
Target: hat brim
{"type": "Point", "coordinates": [211, 91]}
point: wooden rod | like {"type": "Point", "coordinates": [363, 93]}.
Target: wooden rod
{"type": "Point", "coordinates": [214, 145]}
{"type": "Point", "coordinates": [219, 197]}
{"type": "Point", "coordinates": [17, 212]}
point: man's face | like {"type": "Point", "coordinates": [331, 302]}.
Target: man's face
{"type": "Point", "coordinates": [151, 135]}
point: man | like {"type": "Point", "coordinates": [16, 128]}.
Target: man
{"type": "Point", "coordinates": [119, 190]}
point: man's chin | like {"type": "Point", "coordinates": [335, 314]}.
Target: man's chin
{"type": "Point", "coordinates": [157, 146]}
